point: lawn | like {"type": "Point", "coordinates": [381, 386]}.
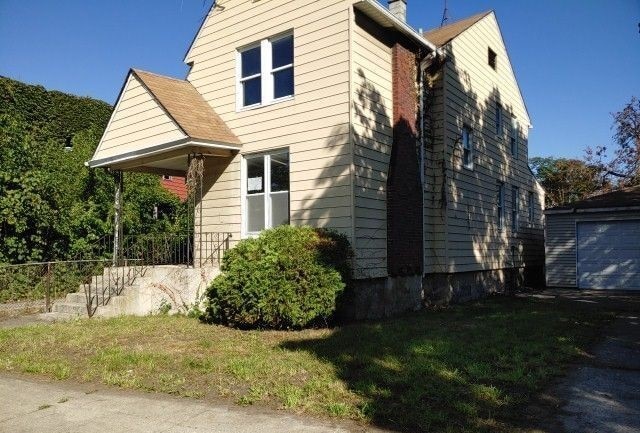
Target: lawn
{"type": "Point", "coordinates": [466, 368]}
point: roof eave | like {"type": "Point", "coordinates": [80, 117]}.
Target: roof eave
{"type": "Point", "coordinates": [160, 149]}
{"type": "Point", "coordinates": [591, 210]}
{"type": "Point", "coordinates": [385, 18]}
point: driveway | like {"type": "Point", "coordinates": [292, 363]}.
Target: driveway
{"type": "Point", "coordinates": [30, 406]}
{"type": "Point", "coordinates": [602, 395]}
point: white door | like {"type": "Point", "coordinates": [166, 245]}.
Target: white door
{"type": "Point", "coordinates": [609, 255]}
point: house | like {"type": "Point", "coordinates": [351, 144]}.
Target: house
{"type": "Point", "coordinates": [595, 243]}
{"type": "Point", "coordinates": [175, 185]}
{"type": "Point", "coordinates": [338, 114]}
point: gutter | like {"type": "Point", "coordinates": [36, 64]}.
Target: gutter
{"type": "Point", "coordinates": [181, 144]}
{"type": "Point", "coordinates": [385, 18]}
{"type": "Point", "coordinates": [593, 210]}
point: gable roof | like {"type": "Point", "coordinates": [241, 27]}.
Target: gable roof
{"type": "Point", "coordinates": [443, 35]}
{"type": "Point", "coordinates": [188, 109]}
{"type": "Point", "coordinates": [621, 198]}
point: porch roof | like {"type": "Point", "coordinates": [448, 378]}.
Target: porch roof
{"type": "Point", "coordinates": [157, 123]}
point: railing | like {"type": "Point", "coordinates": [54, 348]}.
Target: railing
{"type": "Point", "coordinates": [101, 287]}
{"type": "Point", "coordinates": [100, 275]}
{"type": "Point", "coordinates": [39, 284]}
{"type": "Point", "coordinates": [170, 249]}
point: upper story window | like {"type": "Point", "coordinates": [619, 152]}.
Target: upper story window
{"type": "Point", "coordinates": [499, 125]}
{"type": "Point", "coordinates": [467, 147]}
{"type": "Point", "coordinates": [500, 205]}
{"type": "Point", "coordinates": [515, 133]}
{"type": "Point", "coordinates": [515, 208]}
{"type": "Point", "coordinates": [531, 205]}
{"type": "Point", "coordinates": [266, 187]}
{"type": "Point", "coordinates": [492, 59]}
{"type": "Point", "coordinates": [265, 72]}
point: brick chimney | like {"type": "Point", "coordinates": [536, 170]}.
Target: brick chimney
{"type": "Point", "coordinates": [399, 9]}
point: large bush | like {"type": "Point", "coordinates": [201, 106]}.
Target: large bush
{"type": "Point", "coordinates": [288, 277]}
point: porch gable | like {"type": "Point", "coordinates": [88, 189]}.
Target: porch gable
{"type": "Point", "coordinates": [157, 123]}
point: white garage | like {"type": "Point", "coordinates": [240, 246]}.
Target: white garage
{"type": "Point", "coordinates": [608, 255]}
{"type": "Point", "coordinates": [595, 243]}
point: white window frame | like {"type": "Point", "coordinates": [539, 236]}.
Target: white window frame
{"type": "Point", "coordinates": [268, 223]}
{"type": "Point", "coordinates": [515, 209]}
{"type": "Point", "coordinates": [500, 205]}
{"type": "Point", "coordinates": [467, 145]}
{"type": "Point", "coordinates": [266, 73]}
{"type": "Point", "coordinates": [531, 204]}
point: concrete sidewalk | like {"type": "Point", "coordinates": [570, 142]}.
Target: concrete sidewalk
{"type": "Point", "coordinates": [30, 406]}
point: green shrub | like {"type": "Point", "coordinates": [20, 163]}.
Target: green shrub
{"type": "Point", "coordinates": [288, 277]}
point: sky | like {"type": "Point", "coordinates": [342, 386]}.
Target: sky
{"type": "Point", "coordinates": [576, 61]}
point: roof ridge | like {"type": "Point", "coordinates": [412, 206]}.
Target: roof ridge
{"type": "Point", "coordinates": [442, 35]}
{"type": "Point", "coordinates": [138, 71]}
{"type": "Point", "coordinates": [477, 15]}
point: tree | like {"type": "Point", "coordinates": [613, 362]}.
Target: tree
{"type": "Point", "coordinates": [51, 205]}
{"type": "Point", "coordinates": [624, 166]}
{"type": "Point", "coordinates": [565, 180]}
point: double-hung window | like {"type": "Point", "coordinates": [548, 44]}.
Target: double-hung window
{"type": "Point", "coordinates": [266, 72]}
{"type": "Point", "coordinates": [499, 126]}
{"type": "Point", "coordinates": [515, 133]}
{"type": "Point", "coordinates": [500, 205]}
{"type": "Point", "coordinates": [515, 208]}
{"type": "Point", "coordinates": [266, 184]}
{"type": "Point", "coordinates": [467, 147]}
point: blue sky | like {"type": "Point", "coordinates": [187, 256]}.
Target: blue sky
{"type": "Point", "coordinates": [576, 60]}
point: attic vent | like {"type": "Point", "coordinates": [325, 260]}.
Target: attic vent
{"type": "Point", "coordinates": [492, 59]}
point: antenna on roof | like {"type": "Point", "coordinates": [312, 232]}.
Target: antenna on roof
{"type": "Point", "coordinates": [445, 14]}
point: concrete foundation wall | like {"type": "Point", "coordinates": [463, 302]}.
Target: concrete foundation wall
{"type": "Point", "coordinates": [386, 297]}
{"type": "Point", "coordinates": [179, 287]}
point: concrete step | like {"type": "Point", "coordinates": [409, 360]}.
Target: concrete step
{"type": "Point", "coordinates": [58, 317]}
{"type": "Point", "coordinates": [81, 297]}
{"type": "Point", "coordinates": [70, 308]}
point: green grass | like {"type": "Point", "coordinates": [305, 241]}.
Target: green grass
{"type": "Point", "coordinates": [467, 368]}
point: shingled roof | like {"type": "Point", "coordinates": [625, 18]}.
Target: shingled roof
{"type": "Point", "coordinates": [442, 35]}
{"type": "Point", "coordinates": [621, 198]}
{"type": "Point", "coordinates": [187, 108]}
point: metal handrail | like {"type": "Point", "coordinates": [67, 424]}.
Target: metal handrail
{"type": "Point", "coordinates": [139, 252]}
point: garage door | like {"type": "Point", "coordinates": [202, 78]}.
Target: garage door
{"type": "Point", "coordinates": [609, 255]}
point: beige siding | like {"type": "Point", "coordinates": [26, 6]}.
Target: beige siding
{"type": "Point", "coordinates": [472, 88]}
{"type": "Point", "coordinates": [137, 122]}
{"type": "Point", "coordinates": [314, 126]}
{"type": "Point", "coordinates": [560, 244]}
{"type": "Point", "coordinates": [372, 114]}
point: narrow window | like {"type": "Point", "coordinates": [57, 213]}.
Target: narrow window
{"type": "Point", "coordinates": [515, 133]}
{"type": "Point", "coordinates": [515, 208]}
{"type": "Point", "coordinates": [500, 205]}
{"type": "Point", "coordinates": [166, 177]}
{"type": "Point", "coordinates": [267, 191]}
{"type": "Point", "coordinates": [266, 72]}
{"type": "Point", "coordinates": [467, 147]}
{"type": "Point", "coordinates": [498, 118]}
{"type": "Point", "coordinates": [531, 205]}
{"type": "Point", "coordinates": [492, 59]}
